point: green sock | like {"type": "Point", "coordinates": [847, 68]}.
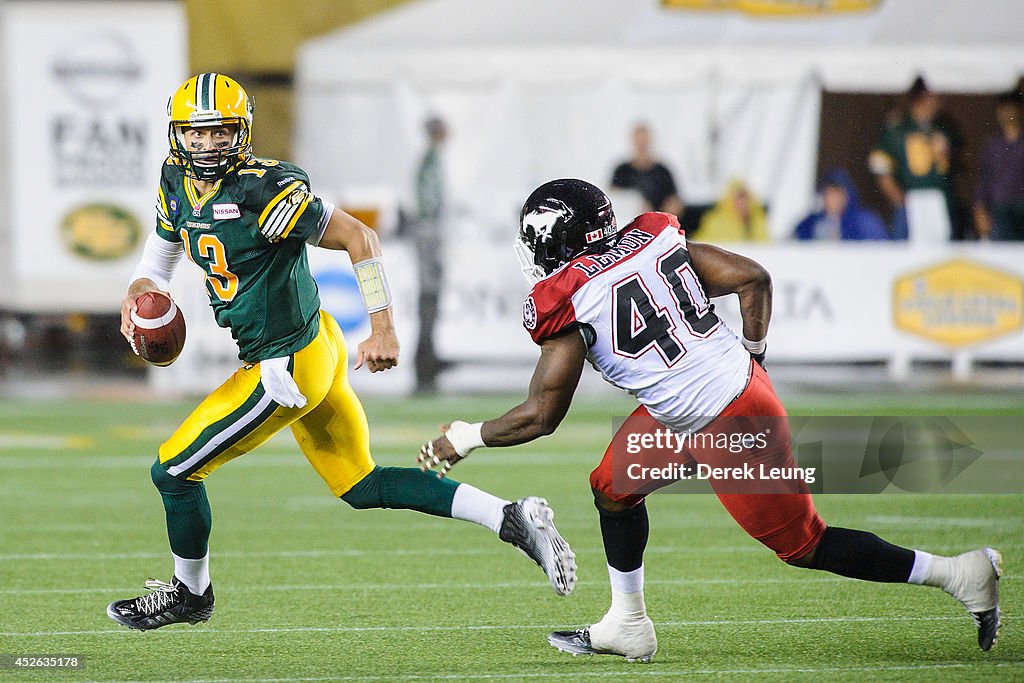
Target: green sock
{"type": "Point", "coordinates": [187, 509]}
{"type": "Point", "coordinates": [404, 488]}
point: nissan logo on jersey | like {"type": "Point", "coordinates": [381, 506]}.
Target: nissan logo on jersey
{"type": "Point", "coordinates": [226, 211]}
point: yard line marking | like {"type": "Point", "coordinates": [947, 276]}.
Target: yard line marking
{"type": "Point", "coordinates": [16, 557]}
{"type": "Point", "coordinates": [480, 627]}
{"type": "Point", "coordinates": [27, 441]}
{"type": "Point", "coordinates": [236, 554]}
{"type": "Point", "coordinates": [350, 552]}
{"type": "Point", "coordinates": [633, 671]}
{"type": "Point", "coordinates": [940, 522]}
{"type": "Point", "coordinates": [796, 579]}
{"type": "Point", "coordinates": [339, 552]}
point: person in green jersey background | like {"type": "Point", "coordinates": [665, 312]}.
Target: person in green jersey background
{"type": "Point", "coordinates": [246, 221]}
{"type": "Point", "coordinates": [428, 239]}
{"type": "Point", "coordinates": [918, 151]}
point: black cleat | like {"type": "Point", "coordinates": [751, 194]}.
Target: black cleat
{"type": "Point", "coordinates": [529, 526]}
{"type": "Point", "coordinates": [977, 589]}
{"type": "Point", "coordinates": [988, 620]}
{"type": "Point", "coordinates": [166, 603]}
{"type": "Point", "coordinates": [574, 642]}
{"type": "Point", "coordinates": [633, 639]}
{"type": "Point", "coordinates": [988, 627]}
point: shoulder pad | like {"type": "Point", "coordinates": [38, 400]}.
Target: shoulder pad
{"type": "Point", "coordinates": [172, 170]}
{"type": "Point", "coordinates": [273, 172]}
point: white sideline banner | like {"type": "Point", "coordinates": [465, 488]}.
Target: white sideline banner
{"type": "Point", "coordinates": [832, 303]}
{"type": "Point", "coordinates": [85, 138]}
{"type": "Point", "coordinates": [863, 301]}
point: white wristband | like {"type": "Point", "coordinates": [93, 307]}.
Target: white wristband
{"type": "Point", "coordinates": [465, 437]}
{"type": "Point", "coordinates": [755, 348]}
{"type": "Point", "coordinates": [373, 284]}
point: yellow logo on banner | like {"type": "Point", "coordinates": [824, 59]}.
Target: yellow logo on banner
{"type": "Point", "coordinates": [777, 7]}
{"type": "Point", "coordinates": [101, 232]}
{"type": "Point", "coordinates": [959, 303]}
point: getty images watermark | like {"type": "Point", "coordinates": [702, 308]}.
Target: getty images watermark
{"type": "Point", "coordinates": [689, 442]}
{"type": "Point", "coordinates": [836, 454]}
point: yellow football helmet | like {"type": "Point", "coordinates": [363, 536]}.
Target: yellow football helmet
{"type": "Point", "coordinates": [210, 99]}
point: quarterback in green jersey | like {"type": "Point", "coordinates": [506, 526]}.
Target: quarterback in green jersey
{"type": "Point", "coordinates": [270, 200]}
{"type": "Point", "coordinates": [246, 222]}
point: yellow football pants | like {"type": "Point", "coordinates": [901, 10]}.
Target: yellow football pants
{"type": "Point", "coordinates": [238, 416]}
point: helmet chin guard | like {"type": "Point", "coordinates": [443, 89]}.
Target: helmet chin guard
{"type": "Point", "coordinates": [211, 164]}
{"type": "Point", "coordinates": [531, 271]}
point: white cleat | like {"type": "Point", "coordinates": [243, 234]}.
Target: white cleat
{"type": "Point", "coordinates": [529, 525]}
{"type": "Point", "coordinates": [632, 638]}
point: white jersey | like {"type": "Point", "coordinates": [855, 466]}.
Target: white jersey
{"type": "Point", "coordinates": [647, 322]}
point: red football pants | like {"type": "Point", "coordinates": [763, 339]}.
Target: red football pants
{"type": "Point", "coordinates": [784, 520]}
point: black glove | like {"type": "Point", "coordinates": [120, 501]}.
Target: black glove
{"type": "Point", "coordinates": [750, 346]}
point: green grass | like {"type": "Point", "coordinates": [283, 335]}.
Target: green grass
{"type": "Point", "coordinates": [311, 590]}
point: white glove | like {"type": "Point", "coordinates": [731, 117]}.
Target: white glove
{"type": "Point", "coordinates": [279, 383]}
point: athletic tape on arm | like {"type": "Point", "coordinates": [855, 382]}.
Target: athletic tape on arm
{"type": "Point", "coordinates": [373, 284]}
{"type": "Point", "coordinates": [755, 347]}
{"type": "Point", "coordinates": [465, 437]}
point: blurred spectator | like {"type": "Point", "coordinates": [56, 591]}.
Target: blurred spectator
{"type": "Point", "coordinates": [737, 217]}
{"type": "Point", "coordinates": [12, 341]}
{"type": "Point", "coordinates": [999, 200]}
{"type": "Point", "coordinates": [841, 216]}
{"type": "Point", "coordinates": [429, 240]}
{"type": "Point", "coordinates": [648, 176]}
{"type": "Point", "coordinates": [916, 153]}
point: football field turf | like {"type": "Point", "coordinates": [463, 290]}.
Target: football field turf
{"type": "Point", "coordinates": [310, 590]}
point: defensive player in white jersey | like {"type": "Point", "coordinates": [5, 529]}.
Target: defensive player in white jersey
{"type": "Point", "coordinates": [634, 303]}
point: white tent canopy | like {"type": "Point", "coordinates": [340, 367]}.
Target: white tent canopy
{"type": "Point", "coordinates": [536, 89]}
{"type": "Point", "coordinates": [958, 45]}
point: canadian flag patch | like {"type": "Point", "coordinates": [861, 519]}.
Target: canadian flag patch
{"type": "Point", "coordinates": [225, 211]}
{"type": "Point", "coordinates": [593, 236]}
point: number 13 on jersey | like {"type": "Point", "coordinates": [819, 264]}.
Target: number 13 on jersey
{"type": "Point", "coordinates": [222, 281]}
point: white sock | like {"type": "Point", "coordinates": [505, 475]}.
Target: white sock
{"type": "Point", "coordinates": [195, 574]}
{"type": "Point", "coordinates": [627, 582]}
{"type": "Point", "coordinates": [627, 592]}
{"type": "Point", "coordinates": [474, 505]}
{"type": "Point", "coordinates": [922, 567]}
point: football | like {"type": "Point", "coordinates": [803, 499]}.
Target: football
{"type": "Point", "coordinates": [159, 328]}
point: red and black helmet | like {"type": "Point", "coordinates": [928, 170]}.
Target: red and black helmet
{"type": "Point", "coordinates": [563, 219]}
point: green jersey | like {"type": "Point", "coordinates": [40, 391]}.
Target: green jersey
{"type": "Point", "coordinates": [917, 156]}
{"type": "Point", "coordinates": [249, 235]}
